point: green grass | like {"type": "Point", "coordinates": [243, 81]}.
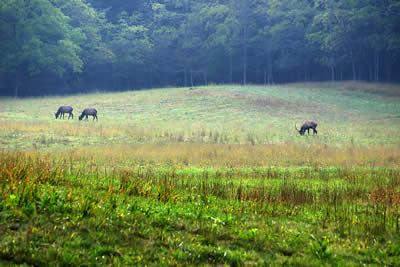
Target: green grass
{"type": "Point", "coordinates": [346, 114]}
{"type": "Point", "coordinates": [211, 176]}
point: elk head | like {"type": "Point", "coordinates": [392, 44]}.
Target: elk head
{"type": "Point", "coordinates": [300, 131]}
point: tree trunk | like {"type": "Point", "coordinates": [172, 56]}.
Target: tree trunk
{"type": "Point", "coordinates": [269, 66]}
{"type": "Point", "coordinates": [16, 82]}
{"type": "Point", "coordinates": [388, 62]}
{"type": "Point", "coordinates": [244, 64]}
{"type": "Point", "coordinates": [244, 43]}
{"type": "Point", "coordinates": [265, 77]}
{"type": "Point", "coordinates": [370, 73]}
{"type": "Point", "coordinates": [114, 84]}
{"type": "Point", "coordinates": [16, 91]}
{"type": "Point", "coordinates": [353, 65]}
{"type": "Point", "coordinates": [230, 68]}
{"type": "Point", "coordinates": [184, 77]}
{"type": "Point", "coordinates": [151, 78]}
{"type": "Point", "coordinates": [376, 67]}
{"type": "Point", "coordinates": [128, 79]}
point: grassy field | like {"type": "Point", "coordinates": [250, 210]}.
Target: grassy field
{"type": "Point", "coordinates": [211, 175]}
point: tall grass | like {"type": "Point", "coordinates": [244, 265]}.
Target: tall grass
{"type": "Point", "coordinates": [235, 156]}
{"type": "Point", "coordinates": [53, 211]}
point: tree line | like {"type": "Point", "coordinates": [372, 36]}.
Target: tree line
{"type": "Point", "coordinates": [70, 46]}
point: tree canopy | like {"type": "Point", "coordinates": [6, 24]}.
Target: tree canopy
{"type": "Point", "coordinates": [69, 46]}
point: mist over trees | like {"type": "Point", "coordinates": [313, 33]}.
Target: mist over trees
{"type": "Point", "coordinates": [70, 46]}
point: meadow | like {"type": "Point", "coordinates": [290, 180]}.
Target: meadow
{"type": "Point", "coordinates": [212, 175]}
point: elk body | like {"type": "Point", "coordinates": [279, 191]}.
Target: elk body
{"type": "Point", "coordinates": [62, 110]}
{"type": "Point", "coordinates": [306, 126]}
{"type": "Point", "coordinates": [88, 112]}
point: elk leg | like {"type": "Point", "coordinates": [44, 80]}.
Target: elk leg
{"type": "Point", "coordinates": [315, 131]}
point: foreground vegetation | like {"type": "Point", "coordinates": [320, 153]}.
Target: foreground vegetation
{"type": "Point", "coordinates": [74, 214]}
{"type": "Point", "coordinates": [204, 176]}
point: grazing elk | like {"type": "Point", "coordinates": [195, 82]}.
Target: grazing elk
{"type": "Point", "coordinates": [307, 125]}
{"type": "Point", "coordinates": [62, 110]}
{"type": "Point", "coordinates": [88, 112]}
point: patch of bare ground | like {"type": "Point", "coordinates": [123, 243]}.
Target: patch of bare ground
{"type": "Point", "coordinates": [199, 92]}
{"type": "Point", "coordinates": [383, 89]}
{"type": "Point", "coordinates": [254, 102]}
{"type": "Point", "coordinates": [277, 105]}
{"type": "Point", "coordinates": [373, 88]}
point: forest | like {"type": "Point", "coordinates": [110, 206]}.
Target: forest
{"type": "Point", "coordinates": [51, 47]}
{"type": "Point", "coordinates": [196, 150]}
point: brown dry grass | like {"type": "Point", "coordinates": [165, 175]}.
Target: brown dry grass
{"type": "Point", "coordinates": [218, 155]}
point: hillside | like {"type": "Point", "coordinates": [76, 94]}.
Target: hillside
{"type": "Point", "coordinates": [347, 113]}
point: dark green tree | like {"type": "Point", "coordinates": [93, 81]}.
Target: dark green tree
{"type": "Point", "coordinates": [36, 37]}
